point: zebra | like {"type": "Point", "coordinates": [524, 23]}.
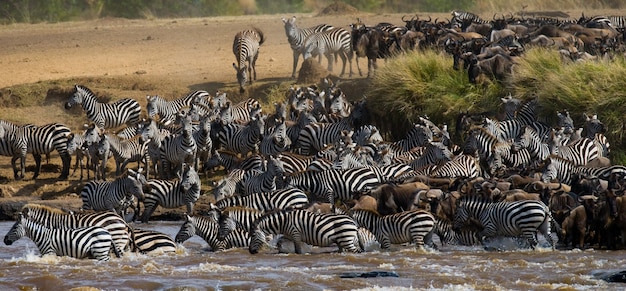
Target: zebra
{"type": "Point", "coordinates": [241, 112]}
{"type": "Point", "coordinates": [227, 185]}
{"type": "Point", "coordinates": [123, 151]}
{"type": "Point", "coordinates": [207, 228]}
{"type": "Point", "coordinates": [172, 194]}
{"type": "Point", "coordinates": [269, 180]}
{"type": "Point", "coordinates": [123, 111]}
{"type": "Point", "coordinates": [267, 201]}
{"type": "Point", "coordinates": [529, 139]}
{"type": "Point", "coordinates": [447, 235]}
{"type": "Point", "coordinates": [464, 165]}
{"type": "Point", "coordinates": [464, 17]}
{"type": "Point", "coordinates": [562, 170]}
{"type": "Point", "coordinates": [75, 147]}
{"type": "Point", "coordinates": [276, 140]}
{"type": "Point", "coordinates": [580, 152]}
{"type": "Point", "coordinates": [14, 143]}
{"type": "Point", "coordinates": [153, 136]}
{"type": "Point", "coordinates": [152, 242]}
{"type": "Point", "coordinates": [296, 37]}
{"type": "Point", "coordinates": [167, 110]}
{"type": "Point", "coordinates": [203, 140]}
{"type": "Point", "coordinates": [87, 242]}
{"type": "Point", "coordinates": [178, 149]}
{"type": "Point", "coordinates": [232, 218]}
{"type": "Point", "coordinates": [513, 219]}
{"type": "Point", "coordinates": [414, 226]}
{"type": "Point", "coordinates": [56, 218]}
{"type": "Point", "coordinates": [595, 130]}
{"type": "Point", "coordinates": [231, 161]}
{"type": "Point", "coordinates": [114, 195]}
{"type": "Point", "coordinates": [242, 139]}
{"type": "Point", "coordinates": [434, 153]}
{"type": "Point", "coordinates": [45, 139]}
{"type": "Point", "coordinates": [329, 43]}
{"type": "Point", "coordinates": [334, 184]}
{"type": "Point", "coordinates": [302, 226]}
{"type": "Point", "coordinates": [246, 49]}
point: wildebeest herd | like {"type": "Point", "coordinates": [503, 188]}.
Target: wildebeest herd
{"type": "Point", "coordinates": [316, 171]}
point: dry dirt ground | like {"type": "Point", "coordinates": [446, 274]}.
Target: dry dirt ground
{"type": "Point", "coordinates": [121, 58]}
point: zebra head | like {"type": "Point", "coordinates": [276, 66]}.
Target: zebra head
{"type": "Point", "coordinates": [227, 225]}
{"type": "Point", "coordinates": [524, 140]}
{"type": "Point", "coordinates": [257, 240]}
{"type": "Point", "coordinates": [104, 146]}
{"type": "Point", "coordinates": [17, 231]}
{"type": "Point", "coordinates": [77, 97]}
{"type": "Point", "coordinates": [92, 134]}
{"type": "Point", "coordinates": [242, 76]}
{"type": "Point", "coordinates": [461, 216]}
{"type": "Point", "coordinates": [187, 230]}
{"type": "Point", "coordinates": [153, 105]}
{"type": "Point", "coordinates": [190, 178]}
{"type": "Point", "coordinates": [550, 170]}
{"type": "Point", "coordinates": [134, 184]}
{"type": "Point", "coordinates": [147, 130]}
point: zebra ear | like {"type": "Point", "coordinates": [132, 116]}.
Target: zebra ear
{"type": "Point", "coordinates": [235, 66]}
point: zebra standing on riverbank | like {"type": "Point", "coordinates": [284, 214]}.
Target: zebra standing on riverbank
{"type": "Point", "coordinates": [302, 226]}
{"type": "Point", "coordinates": [114, 195]}
{"type": "Point", "coordinates": [88, 242]}
{"type": "Point", "coordinates": [520, 218]}
{"type": "Point", "coordinates": [45, 139]}
{"type": "Point", "coordinates": [167, 110]}
{"type": "Point", "coordinates": [296, 37]}
{"type": "Point", "coordinates": [336, 41]}
{"type": "Point", "coordinates": [123, 111]}
{"type": "Point", "coordinates": [246, 49]}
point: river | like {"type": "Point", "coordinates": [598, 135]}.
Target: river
{"type": "Point", "coordinates": [193, 267]}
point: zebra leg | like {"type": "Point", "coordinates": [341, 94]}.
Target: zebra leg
{"type": "Point", "coordinates": [67, 161]}
{"type": "Point", "coordinates": [15, 170]}
{"type": "Point", "coordinates": [37, 165]}
{"type": "Point", "coordinates": [343, 68]}
{"type": "Point", "coordinates": [331, 60]}
{"type": "Point", "coordinates": [296, 57]}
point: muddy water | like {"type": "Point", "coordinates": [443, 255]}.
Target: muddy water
{"type": "Point", "coordinates": [193, 267]}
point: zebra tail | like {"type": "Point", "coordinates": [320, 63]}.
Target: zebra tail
{"type": "Point", "coordinates": [116, 251]}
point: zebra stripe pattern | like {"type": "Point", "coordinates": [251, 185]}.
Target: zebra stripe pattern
{"type": "Point", "coordinates": [334, 184]}
{"type": "Point", "coordinates": [152, 242]}
{"type": "Point", "coordinates": [176, 150]}
{"type": "Point", "coordinates": [45, 139]}
{"type": "Point", "coordinates": [242, 139]}
{"type": "Point", "coordinates": [123, 111]}
{"type": "Point", "coordinates": [56, 218]}
{"type": "Point", "coordinates": [232, 218]}
{"type": "Point", "coordinates": [336, 41]}
{"type": "Point", "coordinates": [246, 49]}
{"type": "Point", "coordinates": [172, 194]}
{"type": "Point", "coordinates": [114, 195]}
{"type": "Point", "coordinates": [207, 228]}
{"type": "Point", "coordinates": [269, 180]}
{"type": "Point", "coordinates": [296, 37]}
{"type": "Point", "coordinates": [123, 151]}
{"type": "Point", "coordinates": [520, 218]}
{"type": "Point", "coordinates": [88, 242]}
{"type": "Point", "coordinates": [559, 169]}
{"type": "Point", "coordinates": [415, 226]}
{"type": "Point", "coordinates": [305, 227]}
{"type": "Point", "coordinates": [167, 110]}
{"type": "Point", "coordinates": [267, 201]}
{"type": "Point", "coordinates": [14, 143]}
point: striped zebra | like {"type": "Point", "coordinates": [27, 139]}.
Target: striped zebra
{"type": "Point", "coordinates": [56, 218]}
{"type": "Point", "coordinates": [276, 140]}
{"type": "Point", "coordinates": [124, 151]}
{"type": "Point", "coordinates": [231, 161]}
{"type": "Point", "coordinates": [123, 111]}
{"type": "Point", "coordinates": [294, 163]}
{"type": "Point", "coordinates": [246, 49]}
{"type": "Point", "coordinates": [434, 153]}
{"type": "Point", "coordinates": [240, 113]}
{"type": "Point", "coordinates": [204, 143]}
{"type": "Point", "coordinates": [178, 149]}
{"type": "Point", "coordinates": [334, 184]}
{"type": "Point", "coordinates": [294, 129]}
{"type": "Point", "coordinates": [168, 110]}
{"type": "Point", "coordinates": [267, 201]}
{"type": "Point", "coordinates": [14, 143]}
{"type": "Point", "coordinates": [207, 228]}
{"type": "Point", "coordinates": [464, 165]}
{"type": "Point", "coordinates": [232, 218]}
{"type": "Point", "coordinates": [44, 140]}
{"type": "Point", "coordinates": [296, 37]}
{"type": "Point", "coordinates": [153, 136]}
{"type": "Point", "coordinates": [269, 180]}
{"type": "Point", "coordinates": [335, 41]}
{"type": "Point", "coordinates": [414, 226]}
{"type": "Point", "coordinates": [172, 194]}
{"type": "Point", "coordinates": [115, 195]}
{"type": "Point", "coordinates": [87, 242]}
{"type": "Point", "coordinates": [152, 242]}
{"type": "Point", "coordinates": [242, 139]}
{"type": "Point", "coordinates": [301, 226]}
{"type": "Point", "coordinates": [227, 185]}
{"type": "Point", "coordinates": [75, 147]}
{"type": "Point", "coordinates": [520, 218]}
{"type": "Point", "coordinates": [595, 130]}
{"type": "Point", "coordinates": [464, 16]}
{"type": "Point", "coordinates": [448, 236]}
{"type": "Point", "coordinates": [562, 170]}
{"type": "Point", "coordinates": [580, 152]}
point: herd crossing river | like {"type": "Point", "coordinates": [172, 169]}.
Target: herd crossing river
{"type": "Point", "coordinates": [194, 267]}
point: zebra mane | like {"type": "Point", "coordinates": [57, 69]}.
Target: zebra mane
{"type": "Point", "coordinates": [83, 88]}
{"type": "Point", "coordinates": [41, 208]}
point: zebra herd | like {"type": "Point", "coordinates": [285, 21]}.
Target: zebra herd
{"type": "Point", "coordinates": [317, 148]}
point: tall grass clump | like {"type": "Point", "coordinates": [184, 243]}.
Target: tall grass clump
{"type": "Point", "coordinates": [423, 83]}
{"type": "Point", "coordinates": [590, 87]}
